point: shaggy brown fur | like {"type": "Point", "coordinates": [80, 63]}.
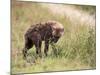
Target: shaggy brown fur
{"type": "Point", "coordinates": [49, 32]}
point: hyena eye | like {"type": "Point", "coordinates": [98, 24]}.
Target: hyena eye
{"type": "Point", "coordinates": [57, 37]}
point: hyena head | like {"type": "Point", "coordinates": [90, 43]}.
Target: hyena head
{"type": "Point", "coordinates": [57, 31]}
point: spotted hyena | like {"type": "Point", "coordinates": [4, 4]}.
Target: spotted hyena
{"type": "Point", "coordinates": [49, 32]}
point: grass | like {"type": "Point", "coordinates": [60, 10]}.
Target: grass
{"type": "Point", "coordinates": [49, 64]}
{"type": "Point", "coordinates": [76, 49]}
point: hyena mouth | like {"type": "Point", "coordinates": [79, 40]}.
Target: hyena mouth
{"type": "Point", "coordinates": [55, 39]}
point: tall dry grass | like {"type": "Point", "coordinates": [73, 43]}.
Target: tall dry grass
{"type": "Point", "coordinates": [75, 50]}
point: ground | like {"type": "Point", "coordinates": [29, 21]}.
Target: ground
{"type": "Point", "coordinates": [75, 49]}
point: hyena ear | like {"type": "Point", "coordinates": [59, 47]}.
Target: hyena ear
{"type": "Point", "coordinates": [53, 30]}
{"type": "Point", "coordinates": [57, 32]}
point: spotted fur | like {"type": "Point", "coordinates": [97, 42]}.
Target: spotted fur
{"type": "Point", "coordinates": [48, 32]}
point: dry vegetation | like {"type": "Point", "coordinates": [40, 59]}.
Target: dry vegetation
{"type": "Point", "coordinates": [76, 48]}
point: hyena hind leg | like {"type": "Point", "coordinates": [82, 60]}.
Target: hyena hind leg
{"type": "Point", "coordinates": [38, 48]}
{"type": "Point", "coordinates": [46, 48]}
{"type": "Point", "coordinates": [28, 45]}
